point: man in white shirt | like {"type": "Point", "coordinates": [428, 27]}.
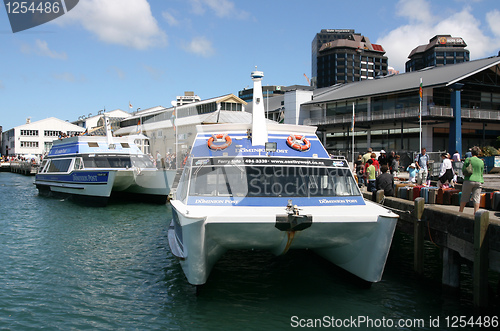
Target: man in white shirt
{"type": "Point", "coordinates": [422, 163]}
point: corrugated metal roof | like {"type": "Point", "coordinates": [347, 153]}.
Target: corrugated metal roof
{"type": "Point", "coordinates": [224, 116]}
{"type": "Point", "coordinates": [431, 77]}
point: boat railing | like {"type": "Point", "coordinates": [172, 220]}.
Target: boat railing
{"type": "Point", "coordinates": [337, 157]}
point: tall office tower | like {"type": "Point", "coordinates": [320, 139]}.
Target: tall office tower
{"type": "Point", "coordinates": [342, 56]}
{"type": "Point", "coordinates": [441, 50]}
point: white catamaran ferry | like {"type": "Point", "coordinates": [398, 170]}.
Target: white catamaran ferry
{"type": "Point", "coordinates": [93, 168]}
{"type": "Point", "coordinates": [273, 187]}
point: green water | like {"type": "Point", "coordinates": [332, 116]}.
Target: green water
{"type": "Point", "coordinates": [65, 266]}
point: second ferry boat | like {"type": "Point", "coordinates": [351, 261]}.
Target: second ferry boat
{"type": "Point", "coordinates": [93, 168]}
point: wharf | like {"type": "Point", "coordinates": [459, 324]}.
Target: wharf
{"type": "Point", "coordinates": [24, 167]}
{"type": "Point", "coordinates": [5, 167]}
{"type": "Point", "coordinates": [462, 237]}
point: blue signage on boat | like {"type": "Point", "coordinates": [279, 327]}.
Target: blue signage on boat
{"type": "Point", "coordinates": [303, 146]}
{"type": "Point", "coordinates": [275, 201]}
{"type": "Point", "coordinates": [80, 177]}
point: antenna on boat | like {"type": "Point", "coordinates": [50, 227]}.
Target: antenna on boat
{"type": "Point", "coordinates": [107, 127]}
{"type": "Point", "coordinates": [259, 128]}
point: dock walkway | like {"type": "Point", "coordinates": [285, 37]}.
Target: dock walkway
{"type": "Point", "coordinates": [460, 236]}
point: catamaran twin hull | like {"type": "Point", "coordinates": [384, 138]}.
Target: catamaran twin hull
{"type": "Point", "coordinates": [242, 197]}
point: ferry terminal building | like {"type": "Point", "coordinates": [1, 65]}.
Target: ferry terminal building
{"type": "Point", "coordinates": [460, 109]}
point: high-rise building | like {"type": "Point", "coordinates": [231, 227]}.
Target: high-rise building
{"type": "Point", "coordinates": [342, 56]}
{"type": "Point", "coordinates": [441, 50]}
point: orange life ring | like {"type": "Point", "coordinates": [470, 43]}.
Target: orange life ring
{"type": "Point", "coordinates": [219, 136]}
{"type": "Point", "coordinates": [293, 142]}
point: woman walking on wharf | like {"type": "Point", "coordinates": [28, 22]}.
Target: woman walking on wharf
{"type": "Point", "coordinates": [472, 181]}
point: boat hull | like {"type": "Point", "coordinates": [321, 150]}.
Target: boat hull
{"type": "Point", "coordinates": [93, 186]}
{"type": "Point", "coordinates": [148, 185]}
{"type": "Point", "coordinates": [358, 244]}
{"type": "Point", "coordinates": [98, 186]}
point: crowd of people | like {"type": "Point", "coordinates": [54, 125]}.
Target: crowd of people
{"type": "Point", "coordinates": [377, 173]}
{"type": "Point", "coordinates": [5, 158]}
{"type": "Point", "coordinates": [168, 162]}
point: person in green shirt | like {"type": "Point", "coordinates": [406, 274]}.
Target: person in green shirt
{"type": "Point", "coordinates": [471, 188]}
{"type": "Point", "coordinates": [371, 176]}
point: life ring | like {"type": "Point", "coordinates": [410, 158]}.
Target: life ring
{"type": "Point", "coordinates": [219, 136]}
{"type": "Point", "coordinates": [298, 142]}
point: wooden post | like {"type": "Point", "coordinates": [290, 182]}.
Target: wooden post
{"type": "Point", "coordinates": [378, 196]}
{"type": "Point", "coordinates": [451, 268]}
{"type": "Point", "coordinates": [481, 247]}
{"type": "Point", "coordinates": [418, 236]}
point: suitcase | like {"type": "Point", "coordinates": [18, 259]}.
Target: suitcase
{"type": "Point", "coordinates": [399, 186]}
{"type": "Point", "coordinates": [447, 193]}
{"type": "Point", "coordinates": [433, 195]}
{"type": "Point", "coordinates": [410, 193]}
{"type": "Point", "coordinates": [439, 196]}
{"type": "Point", "coordinates": [417, 191]}
{"type": "Point", "coordinates": [489, 200]}
{"type": "Point", "coordinates": [496, 201]}
{"type": "Point", "coordinates": [424, 192]}
{"type": "Point", "coordinates": [455, 198]}
{"type": "Point", "coordinates": [403, 192]}
{"type": "Point", "coordinates": [482, 201]}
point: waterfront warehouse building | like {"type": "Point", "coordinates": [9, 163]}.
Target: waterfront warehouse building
{"type": "Point", "coordinates": [172, 130]}
{"type": "Point", "coordinates": [91, 122]}
{"type": "Point", "coordinates": [35, 138]}
{"type": "Point", "coordinates": [441, 50]}
{"type": "Point", "coordinates": [343, 56]}
{"type": "Point", "coordinates": [460, 109]}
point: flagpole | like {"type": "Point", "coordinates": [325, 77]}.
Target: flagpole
{"type": "Point", "coordinates": [353, 134]}
{"type": "Point", "coordinates": [420, 116]}
{"type": "Point", "coordinates": [174, 114]}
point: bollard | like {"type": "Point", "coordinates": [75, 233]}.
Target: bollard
{"type": "Point", "coordinates": [481, 247]}
{"type": "Point", "coordinates": [418, 236]}
{"type": "Point", "coordinates": [378, 196]}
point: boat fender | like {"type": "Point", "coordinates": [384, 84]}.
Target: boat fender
{"type": "Point", "coordinates": [216, 137]}
{"type": "Point", "coordinates": [298, 142]}
{"type": "Point", "coordinates": [137, 171]}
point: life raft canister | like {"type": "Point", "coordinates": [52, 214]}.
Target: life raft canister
{"type": "Point", "coordinates": [298, 142]}
{"type": "Point", "coordinates": [216, 137]}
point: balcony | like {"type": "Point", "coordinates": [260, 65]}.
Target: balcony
{"type": "Point", "coordinates": [408, 112]}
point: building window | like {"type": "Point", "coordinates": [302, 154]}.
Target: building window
{"type": "Point", "coordinates": [29, 133]}
{"type": "Point", "coordinates": [48, 133]}
{"type": "Point", "coordinates": [230, 106]}
{"type": "Point", "coordinates": [29, 144]}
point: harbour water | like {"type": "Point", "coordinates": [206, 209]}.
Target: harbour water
{"type": "Point", "coordinates": [65, 266]}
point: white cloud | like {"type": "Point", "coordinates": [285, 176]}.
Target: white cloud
{"type": "Point", "coordinates": [155, 73]}
{"type": "Point", "coordinates": [423, 24]}
{"type": "Point", "coordinates": [119, 73]}
{"type": "Point", "coordinates": [493, 19]}
{"type": "Point", "coordinates": [200, 46]}
{"type": "Point", "coordinates": [221, 8]}
{"type": "Point", "coordinates": [124, 22]}
{"type": "Point", "coordinates": [69, 77]}
{"type": "Point", "coordinates": [41, 48]}
{"type": "Point", "coordinates": [171, 20]}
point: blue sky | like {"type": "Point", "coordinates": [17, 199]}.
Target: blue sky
{"type": "Point", "coordinates": [104, 54]}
